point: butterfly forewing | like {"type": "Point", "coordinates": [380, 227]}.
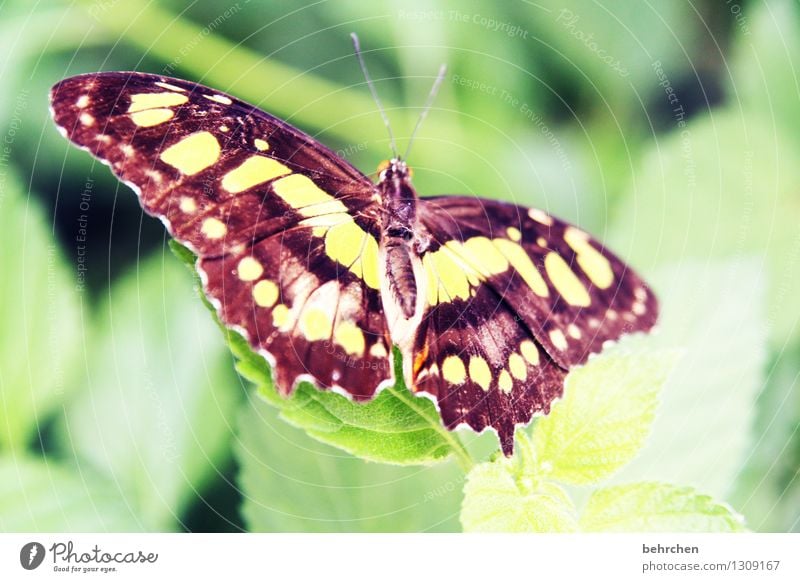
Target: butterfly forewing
{"type": "Point", "coordinates": [568, 290]}
{"type": "Point", "coordinates": [284, 230]}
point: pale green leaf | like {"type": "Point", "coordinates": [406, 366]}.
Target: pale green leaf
{"type": "Point", "coordinates": [772, 460]}
{"type": "Point", "coordinates": [507, 495]}
{"type": "Point", "coordinates": [723, 187]}
{"type": "Point", "coordinates": [159, 407]}
{"type": "Point", "coordinates": [657, 507]}
{"type": "Point", "coordinates": [765, 61]}
{"type": "Point", "coordinates": [714, 313]}
{"type": "Point", "coordinates": [291, 482]}
{"type": "Point", "coordinates": [395, 427]}
{"type": "Point", "coordinates": [606, 413]}
{"type": "Point", "coordinates": [41, 496]}
{"type": "Point", "coordinates": [40, 314]}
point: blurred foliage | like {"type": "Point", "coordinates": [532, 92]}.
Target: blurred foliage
{"type": "Point", "coordinates": [702, 431]}
{"type": "Point", "coordinates": [669, 131]}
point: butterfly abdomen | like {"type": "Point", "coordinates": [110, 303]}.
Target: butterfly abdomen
{"type": "Point", "coordinates": [402, 295]}
{"type": "Point", "coordinates": [400, 276]}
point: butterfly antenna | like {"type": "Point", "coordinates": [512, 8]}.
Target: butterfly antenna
{"type": "Point", "coordinates": [357, 47]}
{"type": "Point", "coordinates": [431, 96]}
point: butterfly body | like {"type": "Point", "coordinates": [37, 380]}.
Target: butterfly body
{"type": "Point", "coordinates": [324, 272]}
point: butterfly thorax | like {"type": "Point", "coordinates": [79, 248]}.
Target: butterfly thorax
{"type": "Point", "coordinates": [402, 242]}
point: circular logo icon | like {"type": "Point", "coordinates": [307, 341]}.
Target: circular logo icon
{"type": "Point", "coordinates": [31, 555]}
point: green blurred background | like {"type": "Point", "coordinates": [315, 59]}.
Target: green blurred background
{"type": "Point", "coordinates": [668, 130]}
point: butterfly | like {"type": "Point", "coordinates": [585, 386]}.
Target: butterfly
{"type": "Point", "coordinates": [325, 272]}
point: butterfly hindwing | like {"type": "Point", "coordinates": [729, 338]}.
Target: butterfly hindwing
{"type": "Point", "coordinates": [483, 367]}
{"type": "Point", "coordinates": [284, 230]}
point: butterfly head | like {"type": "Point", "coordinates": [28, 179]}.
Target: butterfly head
{"type": "Point", "coordinates": [395, 169]}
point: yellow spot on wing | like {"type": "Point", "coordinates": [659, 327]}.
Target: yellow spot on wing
{"type": "Point", "coordinates": [348, 244]}
{"type": "Point", "coordinates": [86, 119]}
{"type": "Point", "coordinates": [540, 216]}
{"type": "Point", "coordinates": [505, 382]}
{"type": "Point", "coordinates": [574, 331]}
{"type": "Point", "coordinates": [193, 153]}
{"type": "Point", "coordinates": [366, 265]}
{"type": "Point", "coordinates": [325, 221]}
{"type": "Point", "coordinates": [522, 263]}
{"type": "Point", "coordinates": [219, 99]}
{"type": "Point", "coordinates": [280, 316]}
{"type": "Point", "coordinates": [453, 370]}
{"type": "Point", "coordinates": [261, 145]}
{"type": "Point", "coordinates": [446, 277]}
{"type": "Point", "coordinates": [151, 117]}
{"type": "Point", "coordinates": [170, 87]}
{"type": "Point", "coordinates": [82, 101]}
{"type": "Point", "coordinates": [455, 268]}
{"type": "Point", "coordinates": [370, 262]}
{"type": "Point", "coordinates": [315, 324]}
{"type": "Point", "coordinates": [265, 293]}
{"type": "Point", "coordinates": [188, 205]}
{"type": "Point", "coordinates": [253, 171]}
{"type": "Point", "coordinates": [348, 335]}
{"type": "Point", "coordinates": [249, 269]}
{"type": "Point", "coordinates": [484, 256]}
{"type": "Point", "coordinates": [558, 339]}
{"type": "Point", "coordinates": [514, 233]}
{"type": "Point", "coordinates": [142, 101]}
{"type": "Point", "coordinates": [528, 350]}
{"type": "Point", "coordinates": [213, 228]}
{"type": "Point", "coordinates": [591, 261]}
{"type": "Point", "coordinates": [378, 351]}
{"type": "Point", "coordinates": [479, 372]}
{"type": "Point", "coordinates": [299, 192]}
{"type": "Point", "coordinates": [517, 366]}
{"type": "Point", "coordinates": [343, 242]}
{"type": "Point", "coordinates": [565, 281]}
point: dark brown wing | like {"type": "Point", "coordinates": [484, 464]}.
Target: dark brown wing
{"type": "Point", "coordinates": [285, 231]}
{"type": "Point", "coordinates": [503, 281]}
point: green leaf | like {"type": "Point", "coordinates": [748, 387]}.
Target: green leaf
{"type": "Point", "coordinates": [41, 496]}
{"type": "Point", "coordinates": [395, 427]}
{"type": "Point", "coordinates": [291, 482]}
{"type": "Point", "coordinates": [713, 313]}
{"type": "Point", "coordinates": [657, 507]}
{"type": "Point", "coordinates": [507, 495]}
{"type": "Point", "coordinates": [161, 395]}
{"type": "Point", "coordinates": [608, 407]}
{"type": "Point", "coordinates": [39, 310]}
